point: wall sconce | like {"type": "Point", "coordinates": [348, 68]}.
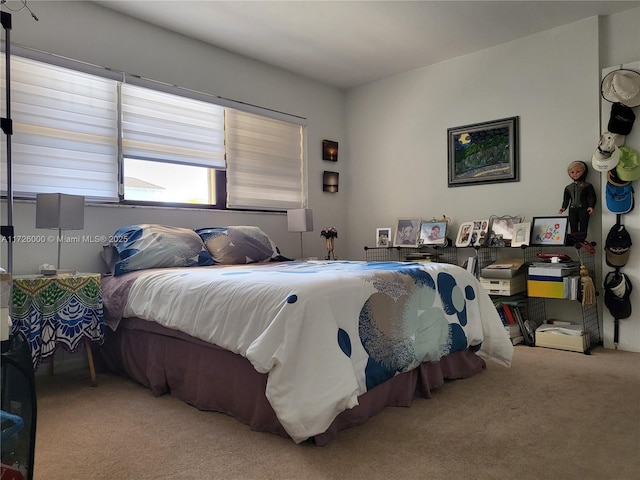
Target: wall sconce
{"type": "Point", "coordinates": [330, 150]}
{"type": "Point", "coordinates": [330, 181]}
{"type": "Point", "coordinates": [300, 220]}
{"type": "Point", "coordinates": [61, 211]}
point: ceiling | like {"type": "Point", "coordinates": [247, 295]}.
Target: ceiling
{"type": "Point", "coordinates": [350, 43]}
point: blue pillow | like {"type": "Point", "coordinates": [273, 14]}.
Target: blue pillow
{"type": "Point", "coordinates": [153, 246]}
{"type": "Point", "coordinates": [239, 245]}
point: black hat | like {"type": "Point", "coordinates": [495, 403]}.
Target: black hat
{"type": "Point", "coordinates": [617, 246]}
{"type": "Point", "coordinates": [621, 119]}
{"type": "Point", "coordinates": [617, 290]}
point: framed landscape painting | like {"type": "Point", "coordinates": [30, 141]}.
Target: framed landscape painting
{"type": "Point", "coordinates": [483, 153]}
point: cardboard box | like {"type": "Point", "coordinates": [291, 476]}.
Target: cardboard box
{"type": "Point", "coordinates": [569, 337]}
{"type": "Point", "coordinates": [504, 286]}
{"type": "Point", "coordinates": [505, 268]}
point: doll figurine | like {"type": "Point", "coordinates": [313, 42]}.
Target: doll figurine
{"type": "Point", "coordinates": [580, 198]}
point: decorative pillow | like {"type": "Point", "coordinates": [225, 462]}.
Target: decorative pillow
{"type": "Point", "coordinates": [154, 246]}
{"type": "Point", "coordinates": [239, 245]}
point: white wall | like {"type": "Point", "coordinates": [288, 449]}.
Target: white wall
{"type": "Point", "coordinates": [397, 131]}
{"type": "Point", "coordinates": [620, 46]}
{"type": "Point", "coordinates": [90, 33]}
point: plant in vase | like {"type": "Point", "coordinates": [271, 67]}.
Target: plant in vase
{"type": "Point", "coordinates": [329, 234]}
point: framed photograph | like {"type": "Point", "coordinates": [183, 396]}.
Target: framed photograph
{"type": "Point", "coordinates": [501, 229]}
{"type": "Point", "coordinates": [549, 230]}
{"type": "Point", "coordinates": [480, 232]}
{"type": "Point", "coordinates": [383, 237]}
{"type": "Point", "coordinates": [407, 232]}
{"type": "Point", "coordinates": [483, 153]}
{"type": "Point", "coordinates": [330, 150]}
{"type": "Point", "coordinates": [433, 233]}
{"type": "Point", "coordinates": [464, 234]}
{"type": "Point", "coordinates": [521, 234]}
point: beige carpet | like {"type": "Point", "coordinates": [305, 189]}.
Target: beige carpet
{"type": "Point", "coordinates": [553, 415]}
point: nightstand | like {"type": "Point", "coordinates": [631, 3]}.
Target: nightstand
{"type": "Point", "coordinates": [61, 310]}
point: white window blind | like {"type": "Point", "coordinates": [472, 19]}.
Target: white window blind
{"type": "Point", "coordinates": [264, 162]}
{"type": "Point", "coordinates": [161, 126]}
{"type": "Point", "coordinates": [64, 131]}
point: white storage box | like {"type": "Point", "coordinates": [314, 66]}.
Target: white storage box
{"type": "Point", "coordinates": [566, 337]}
{"type": "Point", "coordinates": [504, 286]}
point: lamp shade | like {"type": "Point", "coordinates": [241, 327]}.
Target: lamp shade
{"type": "Point", "coordinates": [60, 210]}
{"type": "Point", "coordinates": [300, 220]}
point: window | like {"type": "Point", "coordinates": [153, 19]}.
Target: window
{"type": "Point", "coordinates": [64, 131]}
{"type": "Point", "coordinates": [264, 162]}
{"type": "Point", "coordinates": [74, 131]}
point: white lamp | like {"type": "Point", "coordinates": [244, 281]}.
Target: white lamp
{"type": "Point", "coordinates": [61, 211]}
{"type": "Point", "coordinates": [300, 220]}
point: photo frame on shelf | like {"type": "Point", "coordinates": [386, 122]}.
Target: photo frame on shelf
{"type": "Point", "coordinates": [464, 235]}
{"type": "Point", "coordinates": [549, 230]}
{"type": "Point", "coordinates": [433, 233]}
{"type": "Point", "coordinates": [483, 153]}
{"type": "Point", "coordinates": [501, 229]}
{"type": "Point", "coordinates": [383, 237]}
{"type": "Point", "coordinates": [407, 232]}
{"type": "Point", "coordinates": [480, 232]}
{"type": "Point", "coordinates": [521, 234]}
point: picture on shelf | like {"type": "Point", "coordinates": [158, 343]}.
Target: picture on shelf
{"type": "Point", "coordinates": [464, 235]}
{"type": "Point", "coordinates": [480, 232]}
{"type": "Point", "coordinates": [549, 230]}
{"type": "Point", "coordinates": [501, 229]}
{"type": "Point", "coordinates": [521, 234]}
{"type": "Point", "coordinates": [407, 232]}
{"type": "Point", "coordinates": [383, 237]}
{"type": "Point", "coordinates": [433, 233]}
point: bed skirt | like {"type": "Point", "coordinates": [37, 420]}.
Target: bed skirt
{"type": "Point", "coordinates": [211, 378]}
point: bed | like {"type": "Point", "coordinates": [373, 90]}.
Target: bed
{"type": "Point", "coordinates": [298, 348]}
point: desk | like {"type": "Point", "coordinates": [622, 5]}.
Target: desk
{"type": "Point", "coordinates": [61, 310]}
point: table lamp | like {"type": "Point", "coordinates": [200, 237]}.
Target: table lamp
{"type": "Point", "coordinates": [300, 220]}
{"type": "Point", "coordinates": [61, 211]}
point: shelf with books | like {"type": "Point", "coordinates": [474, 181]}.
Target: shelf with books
{"type": "Point", "coordinates": [534, 308]}
{"type": "Point", "coordinates": [571, 285]}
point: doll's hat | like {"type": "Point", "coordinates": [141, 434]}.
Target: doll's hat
{"type": "Point", "coordinates": [622, 86]}
{"type": "Point", "coordinates": [606, 155]}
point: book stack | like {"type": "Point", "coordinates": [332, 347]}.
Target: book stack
{"type": "Point", "coordinates": [518, 329]}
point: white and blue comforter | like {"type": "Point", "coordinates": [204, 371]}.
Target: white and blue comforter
{"type": "Point", "coordinates": [325, 332]}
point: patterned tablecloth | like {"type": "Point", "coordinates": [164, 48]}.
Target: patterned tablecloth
{"type": "Point", "coordinates": [63, 310]}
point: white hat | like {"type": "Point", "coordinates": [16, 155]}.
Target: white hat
{"type": "Point", "coordinates": [622, 86]}
{"type": "Point", "coordinates": [606, 155]}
